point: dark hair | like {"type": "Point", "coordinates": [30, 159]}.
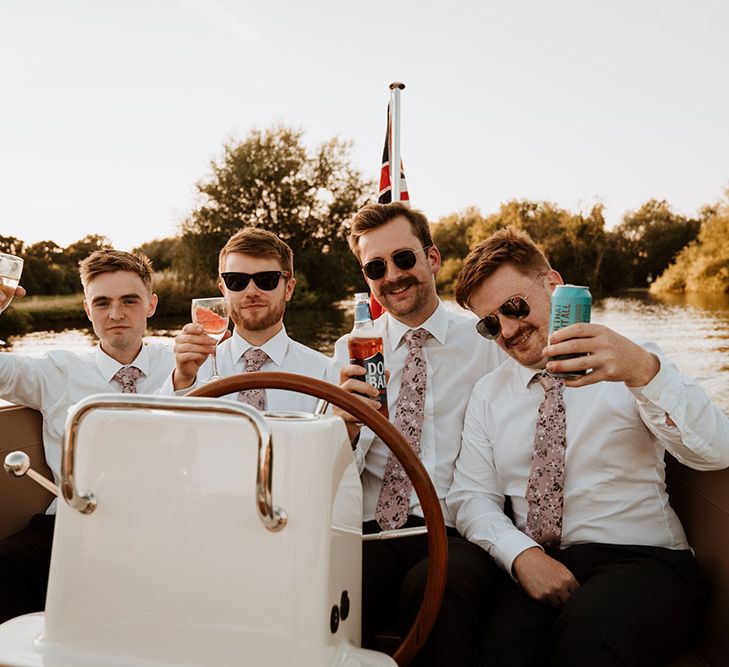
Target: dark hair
{"type": "Point", "coordinates": [375, 215]}
{"type": "Point", "coordinates": [505, 246]}
{"type": "Point", "coordinates": [258, 243]}
{"type": "Point", "coordinates": [109, 261]}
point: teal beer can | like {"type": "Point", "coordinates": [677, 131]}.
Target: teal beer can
{"type": "Point", "coordinates": [571, 304]}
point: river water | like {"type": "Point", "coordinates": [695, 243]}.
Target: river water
{"type": "Point", "coordinates": [693, 331]}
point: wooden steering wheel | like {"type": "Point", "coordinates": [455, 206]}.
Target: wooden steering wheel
{"type": "Point", "coordinates": [437, 541]}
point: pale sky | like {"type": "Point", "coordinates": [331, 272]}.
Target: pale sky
{"type": "Point", "coordinates": [111, 111]}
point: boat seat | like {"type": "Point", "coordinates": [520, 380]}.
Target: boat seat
{"type": "Point", "coordinates": [701, 500]}
{"type": "Point", "coordinates": [21, 498]}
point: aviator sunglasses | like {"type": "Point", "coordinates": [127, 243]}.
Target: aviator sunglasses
{"type": "Point", "coordinates": [402, 259]}
{"type": "Point", "coordinates": [264, 280]}
{"type": "Point", "coordinates": [515, 308]}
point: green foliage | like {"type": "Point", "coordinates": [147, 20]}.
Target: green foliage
{"type": "Point", "coordinates": [14, 322]}
{"type": "Point", "coordinates": [161, 252]}
{"type": "Point", "coordinates": [445, 280]}
{"type": "Point", "coordinates": [51, 269]}
{"type": "Point", "coordinates": [174, 296]}
{"type": "Point", "coordinates": [11, 246]}
{"type": "Point", "coordinates": [271, 180]}
{"type": "Point", "coordinates": [67, 306]}
{"type": "Point", "coordinates": [576, 244]}
{"type": "Point", "coordinates": [39, 312]}
{"type": "Point", "coordinates": [703, 265]}
{"type": "Point", "coordinates": [452, 234]}
{"type": "Point", "coordinates": [650, 239]}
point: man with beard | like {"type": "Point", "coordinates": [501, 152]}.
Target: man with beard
{"type": "Point", "coordinates": [434, 357]}
{"type": "Point", "coordinates": [597, 568]}
{"type": "Point", "coordinates": [257, 280]}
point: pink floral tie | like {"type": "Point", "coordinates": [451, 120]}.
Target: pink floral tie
{"type": "Point", "coordinates": [545, 488]}
{"type": "Point", "coordinates": [394, 501]}
{"type": "Point", "coordinates": [127, 377]}
{"type": "Point", "coordinates": [254, 358]}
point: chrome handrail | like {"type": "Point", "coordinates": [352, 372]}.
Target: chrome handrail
{"type": "Point", "coordinates": [395, 534]}
{"type": "Point", "coordinates": [273, 518]}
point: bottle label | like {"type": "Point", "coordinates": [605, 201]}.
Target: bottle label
{"type": "Point", "coordinates": [375, 374]}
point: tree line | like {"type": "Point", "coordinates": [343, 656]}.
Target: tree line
{"type": "Point", "coordinates": [307, 196]}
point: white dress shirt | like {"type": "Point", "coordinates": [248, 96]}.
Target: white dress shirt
{"type": "Point", "coordinates": [285, 355]}
{"type": "Point", "coordinates": [456, 357]}
{"type": "Point", "coordinates": [56, 381]}
{"type": "Point", "coordinates": [614, 490]}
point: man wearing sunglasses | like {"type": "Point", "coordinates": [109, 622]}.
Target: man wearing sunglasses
{"type": "Point", "coordinates": [434, 356]}
{"type": "Point", "coordinates": [599, 569]}
{"type": "Point", "coordinates": [257, 281]}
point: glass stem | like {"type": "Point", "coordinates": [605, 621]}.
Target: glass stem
{"type": "Point", "coordinates": [215, 362]}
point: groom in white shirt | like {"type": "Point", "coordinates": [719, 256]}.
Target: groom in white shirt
{"type": "Point", "coordinates": [601, 572]}
{"type": "Point", "coordinates": [118, 299]}
{"type": "Point", "coordinates": [257, 280]}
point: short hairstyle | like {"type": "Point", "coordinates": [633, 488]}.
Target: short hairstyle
{"type": "Point", "coordinates": [110, 261]}
{"type": "Point", "coordinates": [375, 215]}
{"type": "Point", "coordinates": [505, 246]}
{"type": "Point", "coordinates": [258, 243]}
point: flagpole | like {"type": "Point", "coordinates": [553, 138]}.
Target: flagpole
{"type": "Point", "coordinates": [395, 88]}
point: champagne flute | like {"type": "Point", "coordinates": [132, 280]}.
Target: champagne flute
{"type": "Point", "coordinates": [212, 315]}
{"type": "Point", "coordinates": [11, 268]}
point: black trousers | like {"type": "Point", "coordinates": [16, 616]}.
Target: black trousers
{"type": "Point", "coordinates": [635, 606]}
{"type": "Point", "coordinates": [25, 559]}
{"type": "Point", "coordinates": [393, 581]}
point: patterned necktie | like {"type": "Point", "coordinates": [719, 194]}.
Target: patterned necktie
{"type": "Point", "coordinates": [254, 359]}
{"type": "Point", "coordinates": [127, 377]}
{"type": "Point", "coordinates": [545, 488]}
{"type": "Point", "coordinates": [394, 501]}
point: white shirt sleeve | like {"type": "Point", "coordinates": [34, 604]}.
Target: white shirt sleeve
{"type": "Point", "coordinates": [34, 382]}
{"type": "Point", "coordinates": [168, 388]}
{"type": "Point", "coordinates": [475, 498]}
{"type": "Point", "coordinates": [698, 431]}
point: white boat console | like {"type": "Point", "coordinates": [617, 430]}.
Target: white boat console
{"type": "Point", "coordinates": [182, 543]}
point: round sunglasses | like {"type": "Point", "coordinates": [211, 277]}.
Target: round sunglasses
{"type": "Point", "coordinates": [264, 280]}
{"type": "Point", "coordinates": [402, 259]}
{"type": "Point", "coordinates": [515, 308]}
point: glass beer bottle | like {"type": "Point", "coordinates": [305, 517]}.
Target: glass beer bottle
{"type": "Point", "coordinates": [366, 350]}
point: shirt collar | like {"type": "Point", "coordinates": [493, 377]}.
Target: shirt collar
{"type": "Point", "coordinates": [436, 325]}
{"type": "Point", "coordinates": [275, 347]}
{"type": "Point", "coordinates": [109, 366]}
{"type": "Point", "coordinates": [525, 375]}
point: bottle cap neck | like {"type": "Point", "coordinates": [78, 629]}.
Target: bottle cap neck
{"type": "Point", "coordinates": [362, 312]}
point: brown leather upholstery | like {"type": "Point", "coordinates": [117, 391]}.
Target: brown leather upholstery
{"type": "Point", "coordinates": [21, 498]}
{"type": "Point", "coordinates": [701, 500]}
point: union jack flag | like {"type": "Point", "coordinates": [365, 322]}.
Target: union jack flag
{"type": "Point", "coordinates": [385, 194]}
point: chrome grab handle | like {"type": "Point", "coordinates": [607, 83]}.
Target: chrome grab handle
{"type": "Point", "coordinates": [321, 407]}
{"type": "Point", "coordinates": [273, 518]}
{"type": "Point", "coordinates": [395, 534]}
{"type": "Point", "coordinates": [17, 464]}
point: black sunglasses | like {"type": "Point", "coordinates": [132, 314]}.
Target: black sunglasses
{"type": "Point", "coordinates": [402, 259]}
{"type": "Point", "coordinates": [265, 280]}
{"type": "Point", "coordinates": [515, 308]}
